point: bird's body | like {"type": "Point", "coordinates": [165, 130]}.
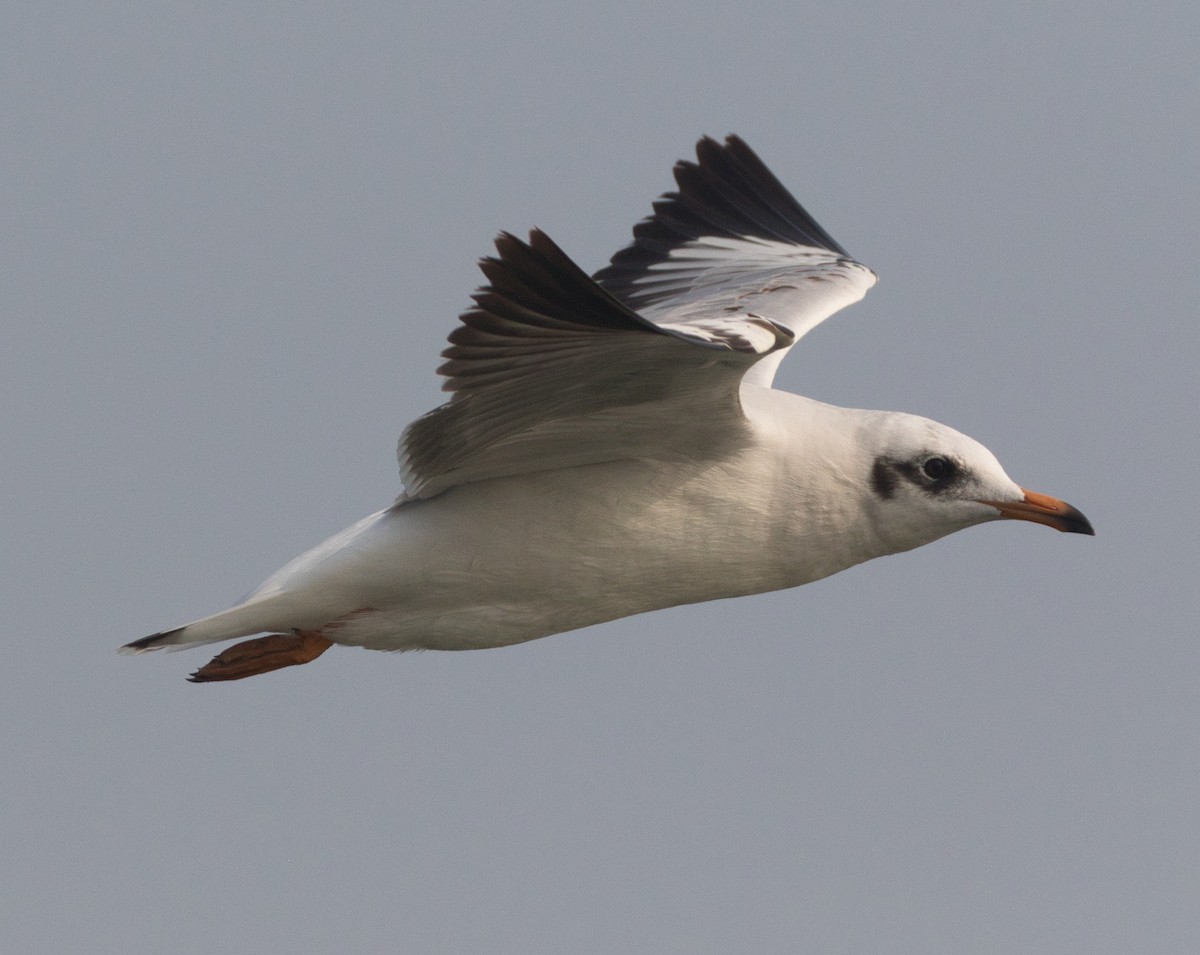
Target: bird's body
{"type": "Point", "coordinates": [511, 559]}
{"type": "Point", "coordinates": [597, 462]}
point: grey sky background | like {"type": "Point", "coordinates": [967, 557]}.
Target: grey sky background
{"type": "Point", "coordinates": [234, 241]}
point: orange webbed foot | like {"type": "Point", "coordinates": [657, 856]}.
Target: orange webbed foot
{"type": "Point", "coordinates": [262, 655]}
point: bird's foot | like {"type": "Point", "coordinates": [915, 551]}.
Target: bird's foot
{"type": "Point", "coordinates": [262, 655]}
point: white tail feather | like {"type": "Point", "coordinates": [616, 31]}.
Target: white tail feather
{"type": "Point", "coordinates": [258, 616]}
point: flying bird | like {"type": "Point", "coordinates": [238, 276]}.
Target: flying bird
{"type": "Point", "coordinates": [613, 445]}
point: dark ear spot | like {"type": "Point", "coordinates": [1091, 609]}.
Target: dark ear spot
{"type": "Point", "coordinates": [883, 479]}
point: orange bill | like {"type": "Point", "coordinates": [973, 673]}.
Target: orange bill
{"type": "Point", "coordinates": [1044, 509]}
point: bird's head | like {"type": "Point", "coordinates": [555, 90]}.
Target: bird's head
{"type": "Point", "coordinates": [927, 480]}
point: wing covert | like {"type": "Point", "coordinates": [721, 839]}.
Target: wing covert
{"type": "Point", "coordinates": [550, 370]}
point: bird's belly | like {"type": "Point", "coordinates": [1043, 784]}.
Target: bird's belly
{"type": "Point", "coordinates": [503, 562]}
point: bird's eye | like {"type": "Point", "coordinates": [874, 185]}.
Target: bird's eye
{"type": "Point", "coordinates": [937, 469]}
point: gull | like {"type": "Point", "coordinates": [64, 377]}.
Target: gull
{"type": "Point", "coordinates": [613, 445]}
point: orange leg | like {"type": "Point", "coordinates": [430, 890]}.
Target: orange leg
{"type": "Point", "coordinates": [262, 655]}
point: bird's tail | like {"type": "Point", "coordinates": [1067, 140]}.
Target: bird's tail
{"type": "Point", "coordinates": [258, 616]}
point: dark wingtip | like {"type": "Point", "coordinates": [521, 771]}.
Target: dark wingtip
{"type": "Point", "coordinates": [726, 191]}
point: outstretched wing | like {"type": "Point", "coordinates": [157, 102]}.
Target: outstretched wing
{"type": "Point", "coordinates": [731, 245]}
{"type": "Point", "coordinates": [549, 370]}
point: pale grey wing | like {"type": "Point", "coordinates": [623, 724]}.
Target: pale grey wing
{"type": "Point", "coordinates": [549, 371]}
{"type": "Point", "coordinates": [732, 244]}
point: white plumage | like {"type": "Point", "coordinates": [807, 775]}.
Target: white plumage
{"type": "Point", "coordinates": [613, 445]}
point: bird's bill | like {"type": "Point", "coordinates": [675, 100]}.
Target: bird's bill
{"type": "Point", "coordinates": [1044, 509]}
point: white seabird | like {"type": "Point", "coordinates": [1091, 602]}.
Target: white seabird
{"type": "Point", "coordinates": [613, 445]}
